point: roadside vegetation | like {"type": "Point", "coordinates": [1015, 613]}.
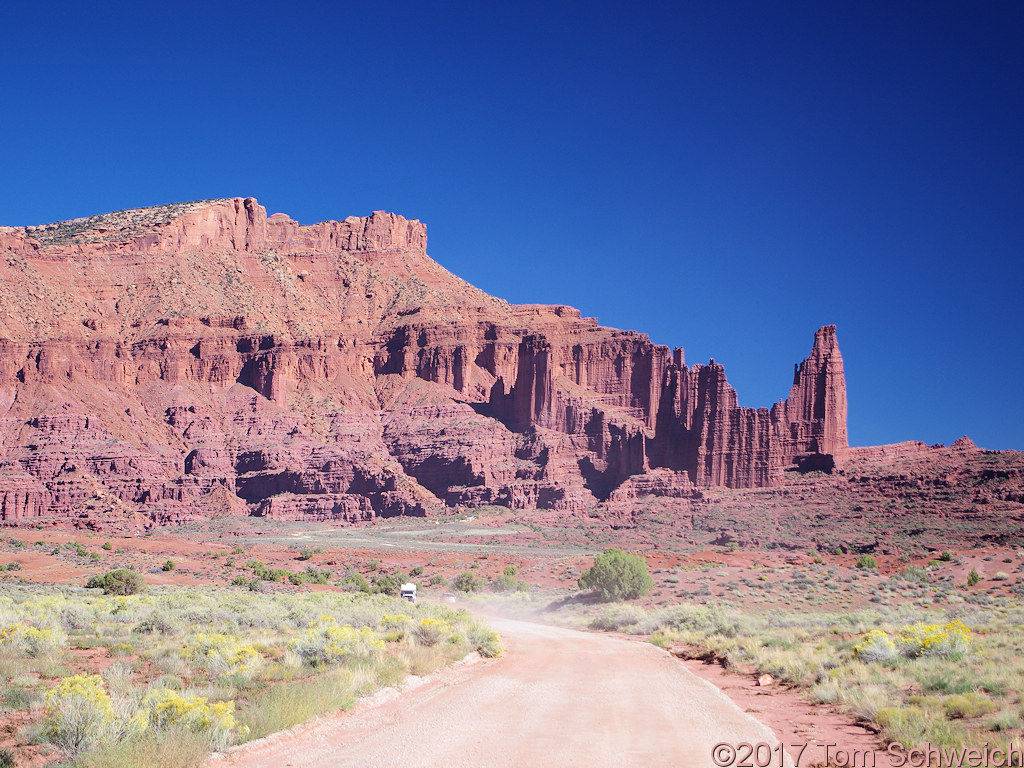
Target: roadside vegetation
{"type": "Point", "coordinates": [617, 575]}
{"type": "Point", "coordinates": [165, 677]}
{"type": "Point", "coordinates": [949, 676]}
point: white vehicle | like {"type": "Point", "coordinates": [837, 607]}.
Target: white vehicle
{"type": "Point", "coordinates": [409, 592]}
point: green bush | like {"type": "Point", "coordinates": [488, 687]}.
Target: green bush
{"type": "Point", "coordinates": [509, 583]}
{"type": "Point", "coordinates": [973, 577]}
{"type": "Point", "coordinates": [967, 705]}
{"type": "Point", "coordinates": [617, 575]}
{"type": "Point", "coordinates": [355, 582]}
{"type": "Point", "coordinates": [914, 574]}
{"type": "Point", "coordinates": [466, 582]}
{"type": "Point", "coordinates": [261, 571]}
{"type": "Point", "coordinates": [386, 584]}
{"type": "Point", "coordinates": [317, 575]}
{"type": "Point", "coordinates": [867, 561]}
{"type": "Point", "coordinates": [122, 581]}
{"type": "Point", "coordinates": [168, 566]}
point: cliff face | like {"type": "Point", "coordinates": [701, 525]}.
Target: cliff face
{"type": "Point", "coordinates": [171, 363]}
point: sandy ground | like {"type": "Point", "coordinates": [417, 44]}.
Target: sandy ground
{"type": "Point", "coordinates": [558, 698]}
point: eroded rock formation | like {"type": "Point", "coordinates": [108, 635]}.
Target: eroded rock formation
{"type": "Point", "coordinates": [170, 363]}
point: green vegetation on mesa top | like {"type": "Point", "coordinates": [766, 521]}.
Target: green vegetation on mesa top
{"type": "Point", "coordinates": [199, 669]}
{"type": "Point", "coordinates": [111, 227]}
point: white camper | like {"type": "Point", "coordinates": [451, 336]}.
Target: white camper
{"type": "Point", "coordinates": [409, 592]}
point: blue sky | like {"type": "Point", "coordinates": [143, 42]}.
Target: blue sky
{"type": "Point", "coordinates": [723, 176]}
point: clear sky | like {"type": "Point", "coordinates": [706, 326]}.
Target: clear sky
{"type": "Point", "coordinates": [724, 176]}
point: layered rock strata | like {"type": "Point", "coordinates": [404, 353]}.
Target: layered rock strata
{"type": "Point", "coordinates": [173, 363]}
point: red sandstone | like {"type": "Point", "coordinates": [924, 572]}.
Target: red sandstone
{"type": "Point", "coordinates": [170, 363]}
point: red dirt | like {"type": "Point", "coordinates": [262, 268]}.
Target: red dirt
{"type": "Point", "coordinates": [793, 720]}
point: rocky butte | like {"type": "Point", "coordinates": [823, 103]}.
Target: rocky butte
{"type": "Point", "coordinates": [173, 363]}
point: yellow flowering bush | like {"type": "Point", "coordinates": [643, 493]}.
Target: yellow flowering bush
{"type": "Point", "coordinates": [327, 642]}
{"type": "Point", "coordinates": [222, 654]}
{"type": "Point", "coordinates": [216, 720]}
{"type": "Point", "coordinates": [78, 713]}
{"type": "Point", "coordinates": [876, 646]}
{"type": "Point", "coordinates": [431, 631]}
{"type": "Point", "coordinates": [920, 639]}
{"type": "Point", "coordinates": [915, 640]}
{"type": "Point", "coordinates": [396, 626]}
{"type": "Point", "coordinates": [31, 640]}
{"type": "Point", "coordinates": [485, 640]}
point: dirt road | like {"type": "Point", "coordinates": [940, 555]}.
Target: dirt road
{"type": "Point", "coordinates": [558, 698]}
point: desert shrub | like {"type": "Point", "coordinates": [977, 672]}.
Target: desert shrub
{"type": "Point", "coordinates": [430, 632]}
{"type": "Point", "coordinates": [466, 582]}
{"type": "Point", "coordinates": [865, 701]}
{"type": "Point", "coordinates": [327, 642]}
{"type": "Point", "coordinates": [712, 619]}
{"type": "Point", "coordinates": [355, 582]}
{"type": "Point", "coordinates": [78, 713]}
{"type": "Point", "coordinates": [167, 566]}
{"type": "Point", "coordinates": [215, 720]}
{"type": "Point", "coordinates": [222, 654]}
{"type": "Point", "coordinates": [617, 618]}
{"type": "Point", "coordinates": [121, 649]}
{"type": "Point", "coordinates": [263, 573]}
{"type": "Point", "coordinates": [508, 583]}
{"type": "Point", "coordinates": [867, 561]}
{"type": "Point", "coordinates": [915, 574]}
{"type": "Point", "coordinates": [395, 625]}
{"type": "Point", "coordinates": [32, 641]}
{"type": "Point", "coordinates": [973, 577]}
{"type": "Point", "coordinates": [920, 639]}
{"type": "Point", "coordinates": [946, 556]}
{"type": "Point", "coordinates": [306, 553]}
{"type": "Point", "coordinates": [876, 646]}
{"type": "Point", "coordinates": [915, 725]}
{"type": "Point", "coordinates": [967, 705]}
{"type": "Point", "coordinates": [1001, 576]}
{"type": "Point", "coordinates": [416, 572]}
{"type": "Point", "coordinates": [437, 580]}
{"type": "Point", "coordinates": [315, 575]}
{"type": "Point", "coordinates": [386, 584]}
{"type": "Point", "coordinates": [617, 575]}
{"type": "Point", "coordinates": [485, 640]}
{"type": "Point", "coordinates": [122, 581]}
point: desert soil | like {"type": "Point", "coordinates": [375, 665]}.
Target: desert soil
{"type": "Point", "coordinates": [559, 697]}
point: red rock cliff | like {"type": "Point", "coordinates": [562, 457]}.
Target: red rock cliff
{"type": "Point", "coordinates": [199, 358]}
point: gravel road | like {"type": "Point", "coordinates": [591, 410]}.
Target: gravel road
{"type": "Point", "coordinates": [559, 697]}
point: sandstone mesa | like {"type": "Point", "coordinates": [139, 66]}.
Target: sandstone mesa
{"type": "Point", "coordinates": [167, 364]}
